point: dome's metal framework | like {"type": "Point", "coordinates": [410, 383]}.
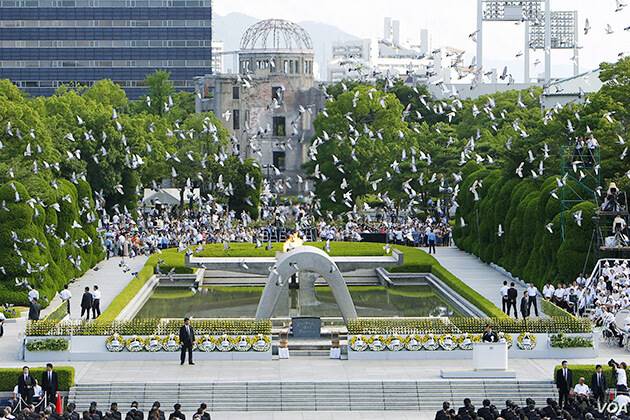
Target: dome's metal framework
{"type": "Point", "coordinates": [276, 35]}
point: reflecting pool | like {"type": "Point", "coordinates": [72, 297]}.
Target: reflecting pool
{"type": "Point", "coordinates": [241, 302]}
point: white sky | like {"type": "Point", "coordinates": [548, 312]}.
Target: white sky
{"type": "Point", "coordinates": [450, 22]}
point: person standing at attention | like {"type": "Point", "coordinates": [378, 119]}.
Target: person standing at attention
{"type": "Point", "coordinates": [186, 338]}
{"type": "Point", "coordinates": [65, 296]}
{"type": "Point", "coordinates": [33, 310]}
{"type": "Point", "coordinates": [512, 296]}
{"type": "Point", "coordinates": [598, 384]}
{"type": "Point", "coordinates": [564, 382]}
{"type": "Point", "coordinates": [86, 303]}
{"type": "Point", "coordinates": [431, 240]}
{"type": "Point", "coordinates": [532, 292]}
{"type": "Point", "coordinates": [96, 302]}
{"type": "Point", "coordinates": [504, 296]}
{"type": "Point", "coordinates": [524, 307]}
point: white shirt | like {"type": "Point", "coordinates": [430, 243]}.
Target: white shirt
{"type": "Point", "coordinates": [96, 294]}
{"type": "Point", "coordinates": [532, 291]}
{"type": "Point", "coordinates": [504, 291]}
{"type": "Point", "coordinates": [65, 294]}
{"type": "Point", "coordinates": [582, 389]}
{"type": "Point", "coordinates": [622, 378]}
{"type": "Point", "coordinates": [2, 317]}
{"type": "Point", "coordinates": [548, 291]}
{"type": "Point", "coordinates": [622, 400]}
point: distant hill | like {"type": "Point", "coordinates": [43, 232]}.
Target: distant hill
{"type": "Point", "coordinates": [230, 28]}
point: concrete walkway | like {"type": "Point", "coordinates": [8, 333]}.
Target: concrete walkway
{"type": "Point", "coordinates": [109, 277]}
{"type": "Point", "coordinates": [476, 274]}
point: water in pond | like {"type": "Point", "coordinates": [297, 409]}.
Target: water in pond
{"type": "Point", "coordinates": [241, 302]}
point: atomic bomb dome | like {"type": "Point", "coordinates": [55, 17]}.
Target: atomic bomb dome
{"type": "Point", "coordinates": [276, 35]}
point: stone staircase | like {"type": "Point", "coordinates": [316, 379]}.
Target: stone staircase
{"type": "Point", "coordinates": [311, 396]}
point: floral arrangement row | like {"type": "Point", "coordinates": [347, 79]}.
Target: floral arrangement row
{"type": "Point", "coordinates": [145, 327]}
{"type": "Point", "coordinates": [206, 343]}
{"type": "Point", "coordinates": [432, 342]}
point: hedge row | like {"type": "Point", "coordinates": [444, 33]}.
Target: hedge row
{"type": "Point", "coordinates": [9, 377]}
{"type": "Point", "coordinates": [586, 371]}
{"type": "Point", "coordinates": [523, 207]}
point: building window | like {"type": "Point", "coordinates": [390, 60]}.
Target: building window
{"type": "Point", "coordinates": [279, 160]}
{"type": "Point", "coordinates": [276, 93]}
{"type": "Point", "coordinates": [236, 92]}
{"type": "Point", "coordinates": [279, 126]}
{"type": "Point", "coordinates": [236, 119]}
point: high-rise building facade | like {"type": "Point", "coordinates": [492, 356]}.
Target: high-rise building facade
{"type": "Point", "coordinates": [47, 43]}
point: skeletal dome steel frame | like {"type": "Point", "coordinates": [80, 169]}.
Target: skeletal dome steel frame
{"type": "Point", "coordinates": [276, 35]}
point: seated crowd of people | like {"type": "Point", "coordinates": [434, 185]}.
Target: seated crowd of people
{"type": "Point", "coordinates": [49, 412]}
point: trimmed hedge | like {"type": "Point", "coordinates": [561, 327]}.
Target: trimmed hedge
{"type": "Point", "coordinates": [9, 377]}
{"type": "Point", "coordinates": [337, 249]}
{"type": "Point", "coordinates": [586, 371]}
{"type": "Point", "coordinates": [553, 310]}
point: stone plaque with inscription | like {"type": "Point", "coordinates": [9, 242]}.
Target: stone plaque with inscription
{"type": "Point", "coordinates": [306, 327]}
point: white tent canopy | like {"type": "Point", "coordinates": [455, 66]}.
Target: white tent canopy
{"type": "Point", "coordinates": [168, 196]}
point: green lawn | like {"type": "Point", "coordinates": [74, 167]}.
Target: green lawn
{"type": "Point", "coordinates": [337, 249]}
{"type": "Point", "coordinates": [415, 261]}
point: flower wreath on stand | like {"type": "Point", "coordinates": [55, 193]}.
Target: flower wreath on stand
{"type": "Point", "coordinates": [466, 341]}
{"type": "Point", "coordinates": [396, 343]}
{"type": "Point", "coordinates": [430, 343]}
{"type": "Point", "coordinates": [206, 343]}
{"type": "Point", "coordinates": [526, 341]}
{"type": "Point", "coordinates": [171, 343]}
{"type": "Point", "coordinates": [115, 343]}
{"type": "Point", "coordinates": [242, 343]}
{"type": "Point", "coordinates": [413, 342]}
{"type": "Point", "coordinates": [358, 343]}
{"type": "Point", "coordinates": [506, 338]}
{"type": "Point", "coordinates": [447, 342]}
{"type": "Point", "coordinates": [134, 344]}
{"type": "Point", "coordinates": [377, 343]}
{"type": "Point", "coordinates": [261, 343]}
{"type": "Point", "coordinates": [153, 344]}
{"type": "Point", "coordinates": [224, 343]}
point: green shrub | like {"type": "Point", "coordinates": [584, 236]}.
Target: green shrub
{"type": "Point", "coordinates": [48, 344]}
{"type": "Point", "coordinates": [553, 310]}
{"type": "Point", "coordinates": [586, 371]}
{"type": "Point", "coordinates": [9, 377]}
{"type": "Point", "coordinates": [59, 313]}
{"type": "Point", "coordinates": [563, 341]}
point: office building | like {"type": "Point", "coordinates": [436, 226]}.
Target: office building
{"type": "Point", "coordinates": [47, 43]}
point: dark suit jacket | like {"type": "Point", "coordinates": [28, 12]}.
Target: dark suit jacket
{"type": "Point", "coordinates": [486, 413]}
{"type": "Point", "coordinates": [177, 415]}
{"type": "Point", "coordinates": [134, 415]}
{"type": "Point", "coordinates": [50, 387]}
{"type": "Point", "coordinates": [184, 337]}
{"type": "Point", "coordinates": [524, 309]}
{"type": "Point", "coordinates": [442, 415]}
{"type": "Point", "coordinates": [561, 382]}
{"type": "Point", "coordinates": [490, 337]}
{"type": "Point", "coordinates": [512, 294]}
{"type": "Point", "coordinates": [33, 311]}
{"type": "Point", "coordinates": [598, 389]}
{"type": "Point", "coordinates": [26, 387]}
{"type": "Point", "coordinates": [87, 300]}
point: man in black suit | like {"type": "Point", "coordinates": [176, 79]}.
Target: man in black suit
{"type": "Point", "coordinates": [177, 414]}
{"type": "Point", "coordinates": [487, 411]}
{"type": "Point", "coordinates": [512, 295]}
{"type": "Point", "coordinates": [524, 305]}
{"type": "Point", "coordinates": [34, 308]}
{"type": "Point", "coordinates": [489, 336]}
{"type": "Point", "coordinates": [444, 414]}
{"type": "Point", "coordinates": [598, 384]}
{"type": "Point", "coordinates": [134, 413]}
{"type": "Point", "coordinates": [187, 338]}
{"type": "Point", "coordinates": [26, 385]}
{"type": "Point", "coordinates": [564, 382]}
{"type": "Point", "coordinates": [87, 301]}
{"type": "Point", "coordinates": [50, 384]}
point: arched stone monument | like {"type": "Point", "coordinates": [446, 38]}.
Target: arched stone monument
{"type": "Point", "coordinates": [309, 259]}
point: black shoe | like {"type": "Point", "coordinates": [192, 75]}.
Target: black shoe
{"type": "Point", "coordinates": [182, 363]}
{"type": "Point", "coordinates": [191, 363]}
